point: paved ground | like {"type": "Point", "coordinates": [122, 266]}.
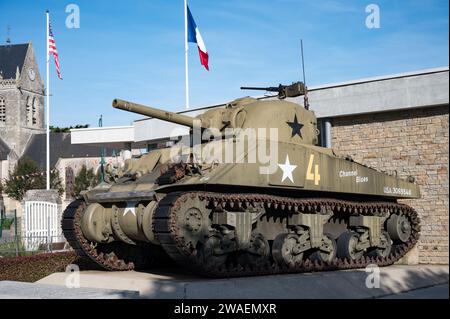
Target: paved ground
{"type": "Point", "coordinates": [434, 292]}
{"type": "Point", "coordinates": [395, 282]}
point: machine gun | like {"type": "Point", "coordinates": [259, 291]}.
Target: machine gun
{"type": "Point", "coordinates": [293, 90]}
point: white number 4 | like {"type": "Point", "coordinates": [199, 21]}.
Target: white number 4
{"type": "Point", "coordinates": [310, 176]}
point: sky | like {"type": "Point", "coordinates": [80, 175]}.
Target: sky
{"type": "Point", "coordinates": [134, 49]}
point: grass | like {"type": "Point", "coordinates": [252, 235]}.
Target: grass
{"type": "Point", "coordinates": [9, 248]}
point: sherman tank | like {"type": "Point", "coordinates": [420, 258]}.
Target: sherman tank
{"type": "Point", "coordinates": [248, 192]}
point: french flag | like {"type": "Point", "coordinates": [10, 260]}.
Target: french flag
{"type": "Point", "coordinates": [194, 36]}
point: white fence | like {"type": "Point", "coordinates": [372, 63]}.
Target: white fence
{"type": "Point", "coordinates": [40, 221]}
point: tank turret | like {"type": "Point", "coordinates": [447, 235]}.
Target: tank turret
{"type": "Point", "coordinates": [292, 122]}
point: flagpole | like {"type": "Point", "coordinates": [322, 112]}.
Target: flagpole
{"type": "Point", "coordinates": [48, 104]}
{"type": "Point", "coordinates": [186, 48]}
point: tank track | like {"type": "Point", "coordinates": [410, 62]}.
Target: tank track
{"type": "Point", "coordinates": [107, 259]}
{"type": "Point", "coordinates": [167, 231]}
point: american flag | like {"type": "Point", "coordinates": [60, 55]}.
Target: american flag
{"type": "Point", "coordinates": [52, 49]}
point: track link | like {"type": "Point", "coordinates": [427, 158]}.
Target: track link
{"type": "Point", "coordinates": [167, 231]}
{"type": "Point", "coordinates": [107, 259]}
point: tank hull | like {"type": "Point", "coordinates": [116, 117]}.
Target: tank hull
{"type": "Point", "coordinates": [323, 202]}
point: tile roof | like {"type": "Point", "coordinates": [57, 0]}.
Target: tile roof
{"type": "Point", "coordinates": [11, 57]}
{"type": "Point", "coordinates": [60, 147]}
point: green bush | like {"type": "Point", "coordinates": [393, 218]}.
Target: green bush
{"type": "Point", "coordinates": [35, 267]}
{"type": "Point", "coordinates": [6, 223]}
{"type": "Point", "coordinates": [84, 180]}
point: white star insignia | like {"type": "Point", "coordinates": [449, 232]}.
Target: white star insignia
{"type": "Point", "coordinates": [287, 169]}
{"type": "Point", "coordinates": [131, 208]}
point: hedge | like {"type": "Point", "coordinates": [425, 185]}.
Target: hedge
{"type": "Point", "coordinates": [33, 268]}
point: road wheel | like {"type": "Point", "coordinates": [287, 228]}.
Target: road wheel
{"type": "Point", "coordinates": [385, 246]}
{"type": "Point", "coordinates": [347, 246]}
{"type": "Point", "coordinates": [285, 249]}
{"type": "Point", "coordinates": [327, 252]}
{"type": "Point", "coordinates": [399, 228]}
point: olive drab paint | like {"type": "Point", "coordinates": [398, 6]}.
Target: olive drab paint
{"type": "Point", "coordinates": [248, 151]}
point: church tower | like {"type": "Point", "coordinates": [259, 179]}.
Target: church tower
{"type": "Point", "coordinates": [21, 96]}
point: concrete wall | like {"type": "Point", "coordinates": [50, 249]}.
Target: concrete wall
{"type": "Point", "coordinates": [412, 142]}
{"type": "Point", "coordinates": [99, 135]}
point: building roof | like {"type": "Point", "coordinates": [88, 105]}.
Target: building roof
{"type": "Point", "coordinates": [4, 150]}
{"type": "Point", "coordinates": [11, 57]}
{"type": "Point", "coordinates": [60, 147]}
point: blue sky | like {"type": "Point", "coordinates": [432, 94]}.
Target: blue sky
{"type": "Point", "coordinates": [135, 49]}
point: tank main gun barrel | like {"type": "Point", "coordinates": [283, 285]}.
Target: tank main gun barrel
{"type": "Point", "coordinates": [153, 112]}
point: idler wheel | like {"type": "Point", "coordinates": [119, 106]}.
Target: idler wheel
{"type": "Point", "coordinates": [385, 246]}
{"type": "Point", "coordinates": [257, 253]}
{"type": "Point", "coordinates": [399, 228]}
{"type": "Point", "coordinates": [347, 246]}
{"type": "Point", "coordinates": [211, 253]}
{"type": "Point", "coordinates": [285, 249]}
{"type": "Point", "coordinates": [327, 252]}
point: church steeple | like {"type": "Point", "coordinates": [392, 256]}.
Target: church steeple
{"type": "Point", "coordinates": [23, 106]}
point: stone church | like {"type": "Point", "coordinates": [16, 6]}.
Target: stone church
{"type": "Point", "coordinates": [21, 102]}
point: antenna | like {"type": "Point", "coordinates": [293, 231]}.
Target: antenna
{"type": "Point", "coordinates": [8, 40]}
{"type": "Point", "coordinates": [305, 97]}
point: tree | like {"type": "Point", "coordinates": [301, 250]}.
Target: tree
{"type": "Point", "coordinates": [57, 129]}
{"type": "Point", "coordinates": [23, 178]}
{"type": "Point", "coordinates": [55, 181]}
{"type": "Point", "coordinates": [84, 180]}
{"type": "Point", "coordinates": [27, 175]}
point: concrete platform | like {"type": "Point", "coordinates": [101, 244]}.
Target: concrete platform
{"type": "Point", "coordinates": [26, 290]}
{"type": "Point", "coordinates": [394, 280]}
